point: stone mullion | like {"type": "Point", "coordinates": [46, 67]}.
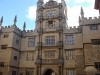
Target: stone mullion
{"type": "Point", "coordinates": [40, 41]}
{"type": "Point", "coordinates": [59, 45]}
{"type": "Point", "coordinates": [60, 39]}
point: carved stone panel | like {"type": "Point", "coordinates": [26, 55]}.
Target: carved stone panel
{"type": "Point", "coordinates": [79, 61]}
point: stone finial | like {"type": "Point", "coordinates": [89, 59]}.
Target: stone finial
{"type": "Point", "coordinates": [79, 19]}
{"type": "Point", "coordinates": [24, 26]}
{"type": "Point", "coordinates": [1, 19]}
{"type": "Point", "coordinates": [15, 20]}
{"type": "Point", "coordinates": [82, 13]}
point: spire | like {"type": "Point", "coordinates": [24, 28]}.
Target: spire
{"type": "Point", "coordinates": [1, 21]}
{"type": "Point", "coordinates": [15, 20]}
{"type": "Point", "coordinates": [82, 13]}
{"type": "Point", "coordinates": [79, 19]}
{"type": "Point", "coordinates": [24, 26]}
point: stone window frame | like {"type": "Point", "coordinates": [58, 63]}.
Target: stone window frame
{"type": "Point", "coordinates": [30, 56]}
{"type": "Point", "coordinates": [5, 35]}
{"type": "Point", "coordinates": [31, 41]}
{"type": "Point", "coordinates": [69, 39]}
{"type": "Point", "coordinates": [70, 54]}
{"type": "Point", "coordinates": [70, 71]}
{"type": "Point", "coordinates": [93, 27]}
{"type": "Point", "coordinates": [17, 41]}
{"type": "Point", "coordinates": [14, 73]}
{"type": "Point", "coordinates": [1, 64]}
{"type": "Point", "coordinates": [97, 65]}
{"type": "Point", "coordinates": [3, 47]}
{"type": "Point", "coordinates": [50, 40]}
{"type": "Point", "coordinates": [29, 72]}
{"type": "Point", "coordinates": [15, 58]}
{"type": "Point", "coordinates": [95, 41]}
{"type": "Point", "coordinates": [50, 25]}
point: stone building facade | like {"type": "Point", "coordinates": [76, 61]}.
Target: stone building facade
{"type": "Point", "coordinates": [52, 48]}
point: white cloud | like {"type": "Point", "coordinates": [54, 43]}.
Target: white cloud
{"type": "Point", "coordinates": [73, 12]}
{"type": "Point", "coordinates": [31, 13]}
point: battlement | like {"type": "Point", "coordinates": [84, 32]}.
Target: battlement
{"type": "Point", "coordinates": [89, 20]}
{"type": "Point", "coordinates": [4, 27]}
{"type": "Point", "coordinates": [11, 28]}
{"type": "Point", "coordinates": [72, 29]}
{"type": "Point", "coordinates": [28, 31]}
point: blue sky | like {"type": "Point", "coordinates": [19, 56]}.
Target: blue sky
{"type": "Point", "coordinates": [25, 11]}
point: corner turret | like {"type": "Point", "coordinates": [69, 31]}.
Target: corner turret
{"type": "Point", "coordinates": [15, 20]}
{"type": "Point", "coordinates": [40, 4]}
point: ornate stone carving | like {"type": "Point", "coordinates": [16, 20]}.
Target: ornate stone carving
{"type": "Point", "coordinates": [51, 3]}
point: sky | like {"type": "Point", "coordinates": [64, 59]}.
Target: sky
{"type": "Point", "coordinates": [26, 11]}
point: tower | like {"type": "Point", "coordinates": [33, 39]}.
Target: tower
{"type": "Point", "coordinates": [51, 19]}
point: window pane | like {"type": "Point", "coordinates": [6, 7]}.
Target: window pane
{"type": "Point", "coordinates": [3, 46]}
{"type": "Point", "coordinates": [69, 39]}
{"type": "Point", "coordinates": [95, 41]}
{"type": "Point", "coordinates": [1, 64]}
{"type": "Point", "coordinates": [70, 54]}
{"type": "Point", "coordinates": [13, 72]}
{"type": "Point", "coordinates": [97, 65]}
{"type": "Point", "coordinates": [93, 27]}
{"type": "Point", "coordinates": [50, 40]}
{"type": "Point", "coordinates": [70, 72]}
{"type": "Point", "coordinates": [31, 42]}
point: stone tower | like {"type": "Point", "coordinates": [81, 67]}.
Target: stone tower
{"type": "Point", "coordinates": [50, 20]}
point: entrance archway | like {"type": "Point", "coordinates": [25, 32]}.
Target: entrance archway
{"type": "Point", "coordinates": [49, 72]}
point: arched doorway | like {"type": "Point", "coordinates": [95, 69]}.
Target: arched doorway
{"type": "Point", "coordinates": [49, 72]}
